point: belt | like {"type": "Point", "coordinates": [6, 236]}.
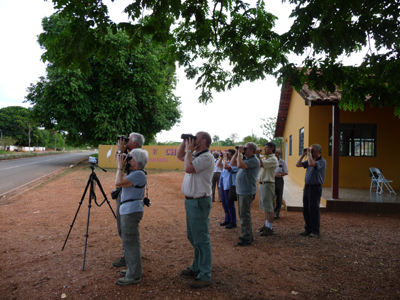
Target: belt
{"type": "Point", "coordinates": [194, 198]}
{"type": "Point", "coordinates": [262, 182]}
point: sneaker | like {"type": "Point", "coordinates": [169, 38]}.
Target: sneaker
{"type": "Point", "coordinates": [224, 224]}
{"type": "Point", "coordinates": [123, 272]}
{"type": "Point", "coordinates": [313, 235]}
{"type": "Point", "coordinates": [127, 281]}
{"type": "Point", "coordinates": [198, 283]}
{"type": "Point", "coordinates": [244, 243]}
{"type": "Point", "coordinates": [189, 271]}
{"type": "Point", "coordinates": [267, 232]}
{"type": "Point", "coordinates": [304, 233]}
{"type": "Point", "coordinates": [230, 226]}
{"type": "Point", "coordinates": [120, 262]}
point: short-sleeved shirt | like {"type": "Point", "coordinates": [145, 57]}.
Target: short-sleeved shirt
{"type": "Point", "coordinates": [198, 185]}
{"type": "Point", "coordinates": [282, 167]}
{"type": "Point", "coordinates": [267, 173]}
{"type": "Point", "coordinates": [315, 175]}
{"type": "Point", "coordinates": [225, 177]}
{"type": "Point", "coordinates": [246, 179]}
{"type": "Point", "coordinates": [136, 192]}
{"type": "Point", "coordinates": [217, 169]}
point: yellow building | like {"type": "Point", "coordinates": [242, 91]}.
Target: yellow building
{"type": "Point", "coordinates": [368, 138]}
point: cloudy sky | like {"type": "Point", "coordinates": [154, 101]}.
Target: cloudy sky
{"type": "Point", "coordinates": [237, 111]}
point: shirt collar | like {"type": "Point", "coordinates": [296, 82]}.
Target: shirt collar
{"type": "Point", "coordinates": [201, 152]}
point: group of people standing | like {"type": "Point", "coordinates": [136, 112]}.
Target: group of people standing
{"type": "Point", "coordinates": [268, 170]}
{"type": "Point", "coordinates": [243, 168]}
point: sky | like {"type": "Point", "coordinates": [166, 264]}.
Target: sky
{"type": "Point", "coordinates": [239, 110]}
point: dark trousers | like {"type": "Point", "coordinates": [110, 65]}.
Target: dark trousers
{"type": "Point", "coordinates": [229, 206]}
{"type": "Point", "coordinates": [215, 181]}
{"type": "Point", "coordinates": [311, 200]}
{"type": "Point", "coordinates": [118, 202]}
{"type": "Point", "coordinates": [278, 194]}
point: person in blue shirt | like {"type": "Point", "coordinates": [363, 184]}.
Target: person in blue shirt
{"type": "Point", "coordinates": [228, 178]}
{"type": "Point", "coordinates": [315, 177]}
{"type": "Point", "coordinates": [131, 211]}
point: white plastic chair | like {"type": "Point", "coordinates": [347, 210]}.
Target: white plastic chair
{"type": "Point", "coordinates": [380, 180]}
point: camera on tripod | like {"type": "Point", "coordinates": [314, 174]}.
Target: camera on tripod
{"type": "Point", "coordinates": [93, 160]}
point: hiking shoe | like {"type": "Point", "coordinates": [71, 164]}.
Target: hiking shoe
{"type": "Point", "coordinates": [230, 226]}
{"type": "Point", "coordinates": [266, 232]}
{"type": "Point", "coordinates": [242, 238]}
{"type": "Point", "coordinates": [304, 233]}
{"type": "Point", "coordinates": [189, 272]}
{"type": "Point", "coordinates": [262, 229]}
{"type": "Point", "coordinates": [120, 262]}
{"type": "Point", "coordinates": [198, 283]}
{"type": "Point", "coordinates": [127, 281]}
{"type": "Point", "coordinates": [123, 272]}
{"type": "Point", "coordinates": [244, 243]}
{"type": "Point", "coordinates": [224, 224]}
{"type": "Point", "coordinates": [313, 235]}
{"type": "Point", "coordinates": [276, 217]}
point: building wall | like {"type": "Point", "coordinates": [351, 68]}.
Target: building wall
{"type": "Point", "coordinates": [298, 117]}
{"type": "Point", "coordinates": [353, 171]}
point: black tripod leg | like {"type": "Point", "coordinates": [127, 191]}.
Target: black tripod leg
{"type": "Point", "coordinates": [104, 194]}
{"type": "Point", "coordinates": [80, 203]}
{"type": "Point", "coordinates": [91, 193]}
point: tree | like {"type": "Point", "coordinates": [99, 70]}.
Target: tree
{"type": "Point", "coordinates": [250, 138]}
{"type": "Point", "coordinates": [227, 142]}
{"type": "Point", "coordinates": [118, 94]}
{"type": "Point", "coordinates": [7, 141]}
{"type": "Point", "coordinates": [328, 31]}
{"type": "Point", "coordinates": [208, 33]}
{"type": "Point", "coordinates": [198, 32]}
{"type": "Point", "coordinates": [16, 122]}
{"type": "Point", "coordinates": [234, 137]}
{"type": "Point", "coordinates": [268, 128]}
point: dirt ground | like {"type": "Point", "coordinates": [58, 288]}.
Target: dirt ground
{"type": "Point", "coordinates": [357, 256]}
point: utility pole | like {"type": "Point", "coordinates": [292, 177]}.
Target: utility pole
{"type": "Point", "coordinates": [29, 137]}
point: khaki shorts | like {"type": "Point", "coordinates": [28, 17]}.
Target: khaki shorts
{"type": "Point", "coordinates": [267, 196]}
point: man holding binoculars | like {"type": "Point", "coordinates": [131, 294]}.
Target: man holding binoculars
{"type": "Point", "coordinates": [315, 177]}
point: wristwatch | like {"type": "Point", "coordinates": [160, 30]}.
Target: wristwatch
{"type": "Point", "coordinates": [189, 151]}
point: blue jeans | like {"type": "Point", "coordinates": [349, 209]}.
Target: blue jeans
{"type": "Point", "coordinates": [229, 206]}
{"type": "Point", "coordinates": [197, 222]}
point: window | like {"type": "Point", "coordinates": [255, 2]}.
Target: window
{"type": "Point", "coordinates": [301, 141]}
{"type": "Point", "coordinates": [355, 139]}
{"type": "Point", "coordinates": [290, 145]}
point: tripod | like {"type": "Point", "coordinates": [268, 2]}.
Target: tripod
{"type": "Point", "coordinates": [92, 178]}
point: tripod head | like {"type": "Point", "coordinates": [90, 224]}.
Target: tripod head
{"type": "Point", "coordinates": [93, 162]}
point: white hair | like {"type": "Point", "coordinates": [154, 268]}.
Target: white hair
{"type": "Point", "coordinates": [138, 138]}
{"type": "Point", "coordinates": [141, 157]}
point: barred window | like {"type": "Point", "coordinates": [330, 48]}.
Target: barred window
{"type": "Point", "coordinates": [301, 141]}
{"type": "Point", "coordinates": [356, 140]}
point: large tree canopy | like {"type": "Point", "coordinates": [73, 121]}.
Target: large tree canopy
{"type": "Point", "coordinates": [130, 91]}
{"type": "Point", "coordinates": [208, 32]}
{"type": "Point", "coordinates": [333, 29]}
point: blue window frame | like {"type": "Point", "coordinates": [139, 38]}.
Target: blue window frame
{"type": "Point", "coordinates": [290, 145]}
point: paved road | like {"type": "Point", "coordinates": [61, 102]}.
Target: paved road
{"type": "Point", "coordinates": [17, 172]}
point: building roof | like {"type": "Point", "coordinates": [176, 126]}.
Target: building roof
{"type": "Point", "coordinates": [310, 97]}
